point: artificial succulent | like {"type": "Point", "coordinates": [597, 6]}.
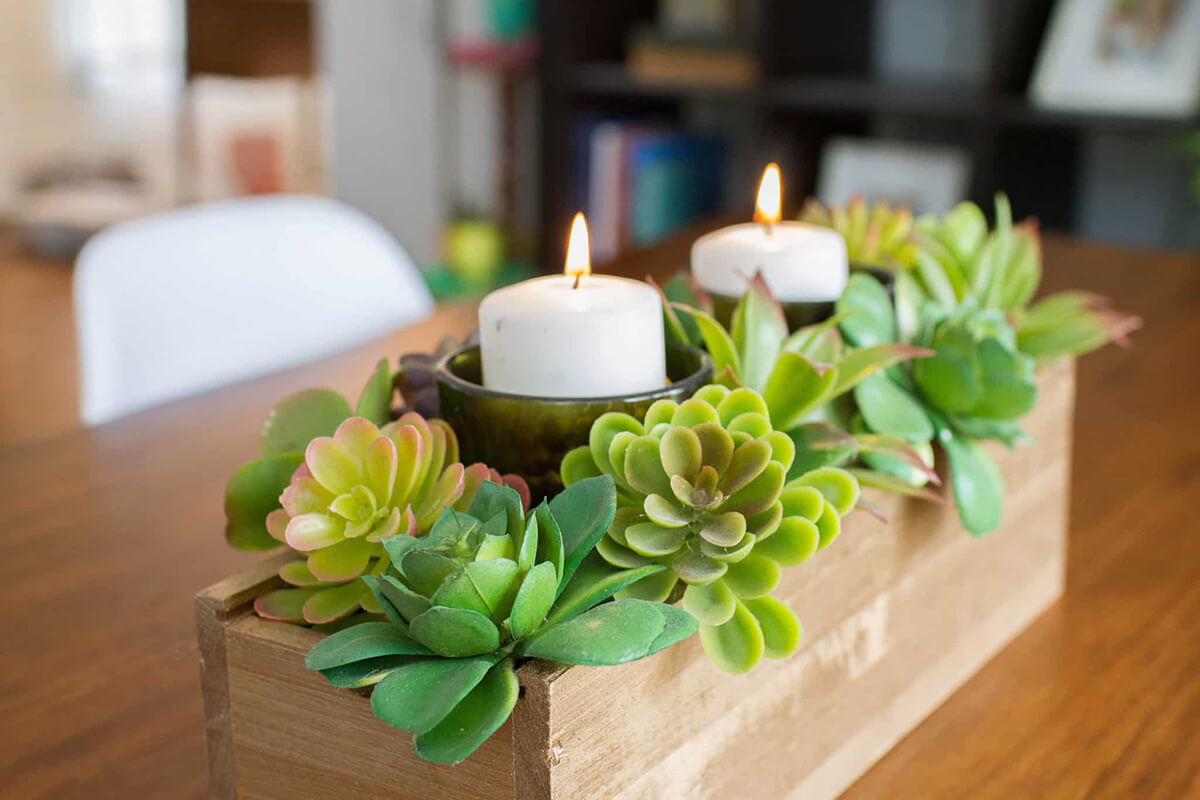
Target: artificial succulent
{"type": "Point", "coordinates": [702, 490]}
{"type": "Point", "coordinates": [333, 485]}
{"type": "Point", "coordinates": [879, 236]}
{"type": "Point", "coordinates": [966, 301]}
{"type": "Point", "coordinates": [483, 590]}
{"type": "Point", "coordinates": [804, 377]}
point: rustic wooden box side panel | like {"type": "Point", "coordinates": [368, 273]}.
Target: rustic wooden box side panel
{"type": "Point", "coordinates": [896, 618]}
{"type": "Point", "coordinates": [296, 737]}
{"type": "Point", "coordinates": [883, 609]}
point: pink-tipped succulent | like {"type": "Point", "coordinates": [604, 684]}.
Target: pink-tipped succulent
{"type": "Point", "coordinates": [355, 489]}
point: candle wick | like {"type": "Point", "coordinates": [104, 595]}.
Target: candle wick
{"type": "Point", "coordinates": [578, 275]}
{"type": "Point", "coordinates": [770, 226]}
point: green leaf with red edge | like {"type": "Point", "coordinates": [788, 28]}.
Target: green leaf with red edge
{"type": "Point", "coordinates": [284, 605]}
{"type": "Point", "coordinates": [896, 448]}
{"type": "Point", "coordinates": [759, 330]}
{"type": "Point", "coordinates": [795, 387]}
{"type": "Point", "coordinates": [862, 362]}
{"type": "Point", "coordinates": [890, 483]}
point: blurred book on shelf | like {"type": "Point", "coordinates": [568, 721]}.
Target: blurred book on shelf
{"type": "Point", "coordinates": [638, 182]}
{"type": "Point", "coordinates": [689, 60]}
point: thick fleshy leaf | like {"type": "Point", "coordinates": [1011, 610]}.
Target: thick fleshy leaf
{"type": "Point", "coordinates": [491, 499]}
{"type": "Point", "coordinates": [696, 411]}
{"type": "Point", "coordinates": [284, 605]}
{"type": "Point", "coordinates": [795, 387]}
{"type": "Point", "coordinates": [368, 672]}
{"type": "Point", "coordinates": [595, 581]}
{"type": "Point", "coordinates": [951, 379]}
{"type": "Point", "coordinates": [612, 633]}
{"type": "Point", "coordinates": [693, 567]}
{"type": "Point", "coordinates": [780, 629]}
{"type": "Point", "coordinates": [455, 632]}
{"type": "Point", "coordinates": [1008, 388]}
{"type": "Point", "coordinates": [578, 465]}
{"type": "Point", "coordinates": [978, 485]}
{"type": "Point", "coordinates": [360, 642]}
{"type": "Point", "coordinates": [872, 321]}
{"type": "Point", "coordinates": [253, 493]}
{"type": "Point", "coordinates": [753, 576]}
{"type": "Point", "coordinates": [757, 495]}
{"type": "Point", "coordinates": [300, 418]}
{"type": "Point", "coordinates": [334, 603]}
{"type": "Point", "coordinates": [375, 402]}
{"type": "Point", "coordinates": [651, 539]}
{"type": "Point", "coordinates": [533, 600]}
{"type": "Point", "coordinates": [619, 555]}
{"type": "Point", "coordinates": [550, 546]}
{"type": "Point", "coordinates": [712, 604]}
{"type": "Point", "coordinates": [829, 525]}
{"type": "Point", "coordinates": [759, 330]}
{"type": "Point", "coordinates": [730, 554]}
{"type": "Point", "coordinates": [890, 483]}
{"type": "Point", "coordinates": [473, 720]}
{"type": "Point", "coordinates": [792, 543]}
{"type": "Point", "coordinates": [681, 452]}
{"type": "Point", "coordinates": [487, 587]}
{"type": "Point", "coordinates": [604, 430]}
{"type": "Point", "coordinates": [889, 409]}
{"type": "Point", "coordinates": [342, 561]}
{"type": "Point", "coordinates": [717, 340]}
{"type": "Point", "coordinates": [666, 513]}
{"type": "Point", "coordinates": [643, 467]}
{"type": "Point", "coordinates": [297, 573]}
{"type": "Point", "coordinates": [724, 530]}
{"type": "Point", "coordinates": [425, 570]}
{"type": "Point", "coordinates": [418, 696]}
{"type": "Point", "coordinates": [716, 446]}
{"type": "Point", "coordinates": [737, 646]}
{"type": "Point", "coordinates": [654, 588]}
{"type": "Point", "coordinates": [802, 501]}
{"type": "Point", "coordinates": [583, 512]}
{"type": "Point", "coordinates": [865, 361]}
{"type": "Point", "coordinates": [905, 460]}
{"type": "Point", "coordinates": [836, 485]}
{"type": "Point", "coordinates": [748, 462]}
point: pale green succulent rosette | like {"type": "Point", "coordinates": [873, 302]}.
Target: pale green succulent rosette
{"type": "Point", "coordinates": [877, 236]}
{"type": "Point", "coordinates": [483, 590]}
{"type": "Point", "coordinates": [702, 490]}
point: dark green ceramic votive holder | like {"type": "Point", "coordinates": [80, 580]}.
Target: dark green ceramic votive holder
{"type": "Point", "coordinates": [530, 435]}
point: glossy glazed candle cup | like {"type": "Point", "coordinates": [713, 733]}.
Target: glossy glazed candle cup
{"type": "Point", "coordinates": [530, 435]}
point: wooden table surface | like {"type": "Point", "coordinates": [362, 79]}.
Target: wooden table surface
{"type": "Point", "coordinates": [108, 532]}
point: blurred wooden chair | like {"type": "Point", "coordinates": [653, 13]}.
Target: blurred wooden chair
{"type": "Point", "coordinates": [194, 299]}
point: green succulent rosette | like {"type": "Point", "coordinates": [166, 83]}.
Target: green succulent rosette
{"type": "Point", "coordinates": [702, 490]}
{"type": "Point", "coordinates": [486, 588]}
{"type": "Point", "coordinates": [966, 302]}
{"type": "Point", "coordinates": [333, 485]}
{"type": "Point", "coordinates": [878, 236]}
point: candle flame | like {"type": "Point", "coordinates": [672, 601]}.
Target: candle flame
{"type": "Point", "coordinates": [579, 261]}
{"type": "Point", "coordinates": [767, 209]}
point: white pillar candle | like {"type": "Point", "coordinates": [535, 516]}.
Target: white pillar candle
{"type": "Point", "coordinates": [574, 335]}
{"type": "Point", "coordinates": [799, 262]}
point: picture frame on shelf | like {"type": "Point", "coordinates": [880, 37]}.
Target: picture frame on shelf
{"type": "Point", "coordinates": [1134, 57]}
{"type": "Point", "coordinates": [926, 178]}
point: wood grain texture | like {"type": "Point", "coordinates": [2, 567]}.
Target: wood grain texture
{"type": "Point", "coordinates": [109, 532]}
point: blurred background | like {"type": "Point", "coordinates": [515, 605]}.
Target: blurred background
{"type": "Point", "coordinates": [472, 130]}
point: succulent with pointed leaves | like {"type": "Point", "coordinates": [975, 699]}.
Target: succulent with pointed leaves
{"type": "Point", "coordinates": [485, 589]}
{"type": "Point", "coordinates": [879, 236]}
{"type": "Point", "coordinates": [702, 491]}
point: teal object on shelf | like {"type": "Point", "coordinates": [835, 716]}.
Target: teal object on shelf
{"type": "Point", "coordinates": [512, 19]}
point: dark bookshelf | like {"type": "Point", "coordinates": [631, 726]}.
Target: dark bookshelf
{"type": "Point", "coordinates": [817, 82]}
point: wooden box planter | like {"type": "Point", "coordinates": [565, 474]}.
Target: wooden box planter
{"type": "Point", "coordinates": [896, 617]}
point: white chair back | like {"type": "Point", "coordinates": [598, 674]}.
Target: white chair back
{"type": "Point", "coordinates": [190, 300]}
